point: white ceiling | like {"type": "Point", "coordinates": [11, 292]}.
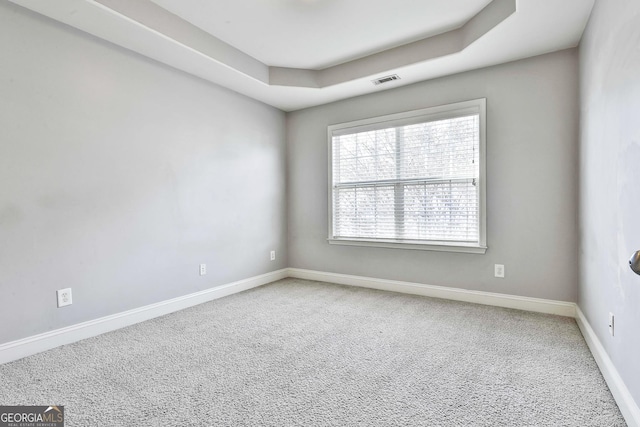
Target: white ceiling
{"type": "Point", "coordinates": [316, 34]}
{"type": "Point", "coordinates": [295, 54]}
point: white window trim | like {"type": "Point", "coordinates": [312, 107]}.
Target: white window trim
{"type": "Point", "coordinates": [430, 114]}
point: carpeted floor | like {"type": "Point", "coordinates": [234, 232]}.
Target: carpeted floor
{"type": "Point", "coordinates": [300, 353]}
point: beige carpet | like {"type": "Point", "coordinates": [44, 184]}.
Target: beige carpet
{"type": "Point", "coordinates": [300, 353]}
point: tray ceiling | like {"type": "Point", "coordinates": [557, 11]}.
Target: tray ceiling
{"type": "Point", "coordinates": [294, 54]}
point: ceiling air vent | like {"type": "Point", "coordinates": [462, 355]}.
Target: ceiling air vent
{"type": "Point", "coordinates": [386, 79]}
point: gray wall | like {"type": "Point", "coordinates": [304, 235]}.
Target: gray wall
{"type": "Point", "coordinates": [609, 179]}
{"type": "Point", "coordinates": [532, 139]}
{"type": "Point", "coordinates": [119, 176]}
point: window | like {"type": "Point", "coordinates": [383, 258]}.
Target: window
{"type": "Point", "coordinates": [413, 180]}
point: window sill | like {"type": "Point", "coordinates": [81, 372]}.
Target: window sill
{"type": "Point", "coordinates": [436, 246]}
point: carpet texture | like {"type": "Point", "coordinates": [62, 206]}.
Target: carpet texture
{"type": "Point", "coordinates": [301, 353]}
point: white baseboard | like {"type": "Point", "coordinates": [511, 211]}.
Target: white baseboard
{"type": "Point", "coordinates": [38, 343]}
{"type": "Point", "coordinates": [620, 392]}
{"type": "Point", "coordinates": [478, 297]}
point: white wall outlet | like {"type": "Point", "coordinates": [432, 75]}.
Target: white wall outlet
{"type": "Point", "coordinates": [612, 324]}
{"type": "Point", "coordinates": [64, 297]}
{"type": "Point", "coordinates": [203, 269]}
{"type": "Point", "coordinates": [498, 270]}
{"type": "Point", "coordinates": [273, 255]}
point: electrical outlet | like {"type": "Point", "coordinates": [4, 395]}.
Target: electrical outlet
{"type": "Point", "coordinates": [498, 270]}
{"type": "Point", "coordinates": [612, 325]}
{"type": "Point", "coordinates": [273, 255]}
{"type": "Point", "coordinates": [203, 269]}
{"type": "Point", "coordinates": [64, 297]}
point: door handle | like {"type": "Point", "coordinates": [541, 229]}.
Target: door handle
{"type": "Point", "coordinates": [634, 262]}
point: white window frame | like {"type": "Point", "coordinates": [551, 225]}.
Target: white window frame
{"type": "Point", "coordinates": [476, 106]}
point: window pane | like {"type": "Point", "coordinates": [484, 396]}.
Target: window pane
{"type": "Point", "coordinates": [445, 211]}
{"type": "Point", "coordinates": [366, 212]}
{"type": "Point", "coordinates": [440, 149]}
{"type": "Point", "coordinates": [365, 156]}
